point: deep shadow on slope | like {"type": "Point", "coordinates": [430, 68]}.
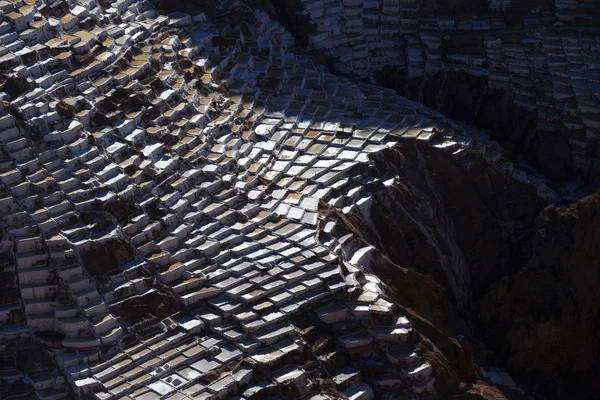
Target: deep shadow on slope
{"type": "Point", "coordinates": [425, 303]}
{"type": "Point", "coordinates": [102, 258]}
{"type": "Point", "coordinates": [442, 209]}
{"type": "Point", "coordinates": [542, 141]}
{"type": "Point", "coordinates": [461, 96]}
{"type": "Point", "coordinates": [546, 318]}
{"type": "Point", "coordinates": [440, 206]}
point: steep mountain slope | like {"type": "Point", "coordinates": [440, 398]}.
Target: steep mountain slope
{"type": "Point", "coordinates": [192, 206]}
{"type": "Point", "coordinates": [544, 319]}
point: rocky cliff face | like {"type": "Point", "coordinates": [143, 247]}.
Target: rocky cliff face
{"type": "Point", "coordinates": [427, 305]}
{"type": "Point", "coordinates": [101, 259]}
{"type": "Point", "coordinates": [444, 226]}
{"type": "Point", "coordinates": [457, 220]}
{"type": "Point", "coordinates": [453, 234]}
{"type": "Point", "coordinates": [491, 242]}
{"type": "Point", "coordinates": [544, 319]}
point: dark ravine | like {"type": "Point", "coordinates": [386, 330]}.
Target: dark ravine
{"type": "Point", "coordinates": [544, 319]}
{"type": "Point", "coordinates": [427, 306]}
{"type": "Point", "coordinates": [532, 268]}
{"type": "Point", "coordinates": [442, 211]}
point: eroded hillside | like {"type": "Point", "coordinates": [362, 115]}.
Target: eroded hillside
{"type": "Point", "coordinates": [193, 206]}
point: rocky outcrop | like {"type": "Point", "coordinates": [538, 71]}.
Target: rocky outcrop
{"type": "Point", "coordinates": [103, 258]}
{"type": "Point", "coordinates": [405, 285]}
{"type": "Point", "coordinates": [445, 225]}
{"type": "Point", "coordinates": [427, 306]}
{"type": "Point", "coordinates": [459, 221]}
{"type": "Point", "coordinates": [544, 319]}
{"type": "Point", "coordinates": [13, 85]}
{"type": "Point", "coordinates": [157, 303]}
